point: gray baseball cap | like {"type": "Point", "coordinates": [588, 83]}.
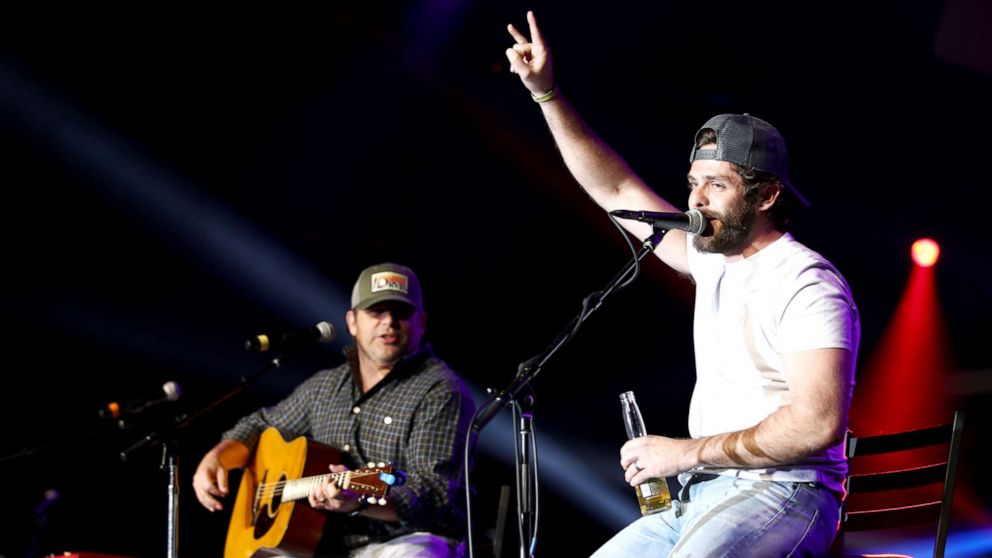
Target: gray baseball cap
{"type": "Point", "coordinates": [386, 281]}
{"type": "Point", "coordinates": [749, 142]}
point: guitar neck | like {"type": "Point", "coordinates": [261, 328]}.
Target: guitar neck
{"type": "Point", "coordinates": [298, 489]}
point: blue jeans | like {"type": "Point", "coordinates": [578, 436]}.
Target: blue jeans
{"type": "Point", "coordinates": [414, 545]}
{"type": "Point", "coordinates": [734, 517]}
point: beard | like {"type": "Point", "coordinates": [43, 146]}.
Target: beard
{"type": "Point", "coordinates": [735, 231]}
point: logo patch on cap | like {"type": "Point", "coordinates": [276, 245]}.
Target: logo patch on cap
{"type": "Point", "coordinates": [390, 281]}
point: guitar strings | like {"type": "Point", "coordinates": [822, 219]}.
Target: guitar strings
{"type": "Point", "coordinates": [266, 489]}
{"type": "Point", "coordinates": [320, 478]}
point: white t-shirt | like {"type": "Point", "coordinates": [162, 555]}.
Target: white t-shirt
{"type": "Point", "coordinates": [749, 312]}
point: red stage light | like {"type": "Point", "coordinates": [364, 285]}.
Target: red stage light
{"type": "Point", "coordinates": [925, 252]}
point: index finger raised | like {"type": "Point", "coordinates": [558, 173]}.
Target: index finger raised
{"type": "Point", "coordinates": [535, 31]}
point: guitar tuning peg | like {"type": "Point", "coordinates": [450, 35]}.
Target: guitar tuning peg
{"type": "Point", "coordinates": [371, 464]}
{"type": "Point", "coordinates": [381, 464]}
{"type": "Point", "coordinates": [382, 501]}
{"type": "Point", "coordinates": [371, 500]}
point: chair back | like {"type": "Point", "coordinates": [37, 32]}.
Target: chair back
{"type": "Point", "coordinates": [909, 493]}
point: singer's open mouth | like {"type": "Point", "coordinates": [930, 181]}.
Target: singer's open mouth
{"type": "Point", "coordinates": [708, 230]}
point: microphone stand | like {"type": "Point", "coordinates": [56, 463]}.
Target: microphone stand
{"type": "Point", "coordinates": [168, 437]}
{"type": "Point", "coordinates": [525, 448]}
{"type": "Point", "coordinates": [525, 373]}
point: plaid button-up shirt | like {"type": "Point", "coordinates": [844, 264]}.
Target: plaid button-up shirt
{"type": "Point", "coordinates": [417, 418]}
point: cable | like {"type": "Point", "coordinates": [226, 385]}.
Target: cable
{"type": "Point", "coordinates": [472, 438]}
{"type": "Point", "coordinates": [626, 237]}
{"type": "Point", "coordinates": [587, 302]}
{"type": "Point", "coordinates": [537, 489]}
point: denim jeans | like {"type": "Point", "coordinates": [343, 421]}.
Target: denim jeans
{"type": "Point", "coordinates": [734, 517]}
{"type": "Point", "coordinates": [419, 544]}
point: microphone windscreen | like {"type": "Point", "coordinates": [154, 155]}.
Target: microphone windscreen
{"type": "Point", "coordinates": [697, 222]}
{"type": "Point", "coordinates": [327, 332]}
{"type": "Point", "coordinates": [172, 391]}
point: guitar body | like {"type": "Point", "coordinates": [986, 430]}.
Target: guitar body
{"type": "Point", "coordinates": [262, 524]}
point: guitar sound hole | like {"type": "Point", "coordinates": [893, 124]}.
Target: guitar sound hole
{"type": "Point", "coordinates": [268, 507]}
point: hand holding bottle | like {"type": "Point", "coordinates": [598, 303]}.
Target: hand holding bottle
{"type": "Point", "coordinates": [652, 494]}
{"type": "Point", "coordinates": [656, 456]}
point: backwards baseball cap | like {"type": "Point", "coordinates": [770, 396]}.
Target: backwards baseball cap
{"type": "Point", "coordinates": [749, 142]}
{"type": "Point", "coordinates": [386, 281]}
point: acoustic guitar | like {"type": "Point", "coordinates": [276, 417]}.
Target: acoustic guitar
{"type": "Point", "coordinates": [265, 520]}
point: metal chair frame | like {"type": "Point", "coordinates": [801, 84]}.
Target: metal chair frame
{"type": "Point", "coordinates": [866, 518]}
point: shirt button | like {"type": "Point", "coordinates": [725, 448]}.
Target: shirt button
{"type": "Point", "coordinates": [356, 410]}
{"type": "Point", "coordinates": [388, 420]}
{"type": "Point", "coordinates": [347, 447]}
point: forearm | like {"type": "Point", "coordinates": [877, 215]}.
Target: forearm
{"type": "Point", "coordinates": [232, 454]}
{"type": "Point", "coordinates": [607, 178]}
{"type": "Point", "coordinates": [601, 172]}
{"type": "Point", "coordinates": [786, 436]}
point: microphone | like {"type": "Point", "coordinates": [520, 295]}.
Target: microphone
{"type": "Point", "coordinates": [320, 333]}
{"type": "Point", "coordinates": [171, 391]}
{"type": "Point", "coordinates": [691, 221]}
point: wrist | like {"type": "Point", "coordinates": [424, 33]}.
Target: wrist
{"type": "Point", "coordinates": [548, 95]}
{"type": "Point", "coordinates": [363, 504]}
{"type": "Point", "coordinates": [690, 456]}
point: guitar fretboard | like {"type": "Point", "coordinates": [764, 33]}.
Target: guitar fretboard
{"type": "Point", "coordinates": [297, 489]}
{"type": "Point", "coordinates": [301, 488]}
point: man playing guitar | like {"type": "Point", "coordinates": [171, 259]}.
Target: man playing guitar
{"type": "Point", "coordinates": [392, 402]}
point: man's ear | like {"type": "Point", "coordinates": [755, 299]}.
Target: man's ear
{"type": "Point", "coordinates": [768, 195]}
{"type": "Point", "coordinates": [349, 319]}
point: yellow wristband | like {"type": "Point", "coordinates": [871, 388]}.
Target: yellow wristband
{"type": "Point", "coordinates": [546, 96]}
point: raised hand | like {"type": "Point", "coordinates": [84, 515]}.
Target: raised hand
{"type": "Point", "coordinates": [531, 59]}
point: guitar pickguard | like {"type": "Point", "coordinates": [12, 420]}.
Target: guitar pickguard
{"type": "Point", "coordinates": [267, 507]}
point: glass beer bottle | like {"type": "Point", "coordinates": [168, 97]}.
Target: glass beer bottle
{"type": "Point", "coordinates": [653, 495]}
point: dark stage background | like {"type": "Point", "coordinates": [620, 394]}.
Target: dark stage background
{"type": "Point", "coordinates": [178, 179]}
